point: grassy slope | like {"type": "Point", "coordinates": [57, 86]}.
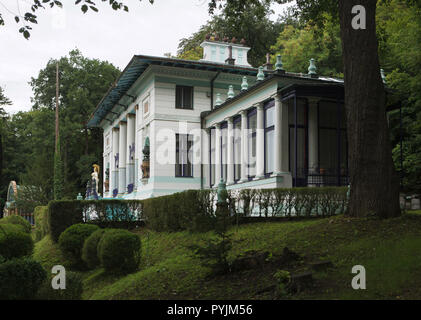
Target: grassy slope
{"type": "Point", "coordinates": [389, 249]}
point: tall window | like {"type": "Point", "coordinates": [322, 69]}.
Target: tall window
{"type": "Point", "coordinates": [299, 173]}
{"type": "Point", "coordinates": [269, 137]}
{"type": "Point", "coordinates": [237, 148]}
{"type": "Point", "coordinates": [183, 155]}
{"type": "Point", "coordinates": [184, 97]}
{"type": "Point", "coordinates": [333, 157]}
{"type": "Point", "coordinates": [212, 156]}
{"type": "Point", "coordinates": [252, 125]}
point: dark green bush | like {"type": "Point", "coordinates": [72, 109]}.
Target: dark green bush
{"type": "Point", "coordinates": [63, 214]}
{"type": "Point", "coordinates": [71, 242]}
{"type": "Point", "coordinates": [119, 251]}
{"type": "Point", "coordinates": [14, 242]}
{"type": "Point", "coordinates": [20, 279]}
{"type": "Point", "coordinates": [14, 219]}
{"type": "Point", "coordinates": [73, 291]}
{"type": "Point", "coordinates": [41, 222]}
{"type": "Point", "coordinates": [90, 249]}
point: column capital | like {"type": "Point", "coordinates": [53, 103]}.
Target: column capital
{"type": "Point", "coordinates": [259, 105]}
{"type": "Point", "coordinates": [243, 112]}
{"type": "Point", "coordinates": [276, 96]}
{"type": "Point", "coordinates": [131, 115]}
{"type": "Point", "coordinates": [116, 129]}
{"type": "Point", "coordinates": [229, 119]}
{"type": "Point", "coordinates": [218, 125]}
{"type": "Point", "coordinates": [122, 122]}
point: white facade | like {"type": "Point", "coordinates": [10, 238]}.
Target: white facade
{"type": "Point", "coordinates": [194, 142]}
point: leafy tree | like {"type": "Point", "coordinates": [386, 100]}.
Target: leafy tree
{"type": "Point", "coordinates": [298, 44]}
{"type": "Point", "coordinates": [253, 25]}
{"type": "Point", "coordinates": [4, 101]}
{"type": "Point", "coordinates": [29, 18]}
{"type": "Point", "coordinates": [58, 173]}
{"type": "Point", "coordinates": [83, 82]}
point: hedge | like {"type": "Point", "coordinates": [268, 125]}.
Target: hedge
{"type": "Point", "coordinates": [90, 249]}
{"type": "Point", "coordinates": [41, 222]}
{"type": "Point", "coordinates": [194, 210]}
{"type": "Point", "coordinates": [21, 279]}
{"type": "Point", "coordinates": [71, 242]}
{"type": "Point", "coordinates": [14, 219]}
{"type": "Point", "coordinates": [119, 251]}
{"type": "Point", "coordinates": [14, 242]}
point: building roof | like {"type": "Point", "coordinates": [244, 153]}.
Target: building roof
{"type": "Point", "coordinates": [138, 64]}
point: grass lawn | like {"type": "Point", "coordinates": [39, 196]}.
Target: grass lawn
{"type": "Point", "coordinates": [388, 249]}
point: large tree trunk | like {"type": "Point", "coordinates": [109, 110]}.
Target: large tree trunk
{"type": "Point", "coordinates": [374, 182]}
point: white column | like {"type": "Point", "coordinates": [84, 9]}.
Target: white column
{"type": "Point", "coordinates": [137, 147]}
{"type": "Point", "coordinates": [217, 153]}
{"type": "Point", "coordinates": [313, 132]}
{"type": "Point", "coordinates": [122, 187]}
{"type": "Point", "coordinates": [277, 170]}
{"type": "Point", "coordinates": [230, 151]}
{"type": "Point", "coordinates": [130, 149]}
{"type": "Point", "coordinates": [114, 162]}
{"type": "Point", "coordinates": [284, 138]}
{"type": "Point", "coordinates": [244, 146]}
{"type": "Point", "coordinates": [260, 143]}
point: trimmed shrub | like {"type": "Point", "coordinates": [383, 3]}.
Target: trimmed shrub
{"type": "Point", "coordinates": [73, 291]}
{"type": "Point", "coordinates": [63, 214]}
{"type": "Point", "coordinates": [90, 249]}
{"type": "Point", "coordinates": [14, 219]}
{"type": "Point", "coordinates": [71, 242]}
{"type": "Point", "coordinates": [41, 222]}
{"type": "Point", "coordinates": [119, 251]}
{"type": "Point", "coordinates": [14, 242]}
{"type": "Point", "coordinates": [20, 278]}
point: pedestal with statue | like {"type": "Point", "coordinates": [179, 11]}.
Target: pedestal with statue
{"type": "Point", "coordinates": [146, 161]}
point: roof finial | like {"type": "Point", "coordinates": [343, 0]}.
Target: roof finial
{"type": "Point", "coordinates": [260, 74]}
{"type": "Point", "coordinates": [279, 64]}
{"type": "Point", "coordinates": [383, 76]}
{"type": "Point", "coordinates": [312, 68]}
{"type": "Point", "coordinates": [231, 93]}
{"type": "Point", "coordinates": [244, 84]}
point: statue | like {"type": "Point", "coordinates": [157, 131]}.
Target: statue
{"type": "Point", "coordinates": [145, 163]}
{"type": "Point", "coordinates": [95, 181]}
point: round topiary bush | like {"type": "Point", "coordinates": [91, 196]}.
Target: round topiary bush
{"type": "Point", "coordinates": [18, 220]}
{"type": "Point", "coordinates": [21, 279]}
{"type": "Point", "coordinates": [71, 242]}
{"type": "Point", "coordinates": [119, 251]}
{"type": "Point", "coordinates": [14, 243]}
{"type": "Point", "coordinates": [90, 249]}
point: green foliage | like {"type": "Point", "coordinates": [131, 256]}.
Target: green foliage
{"type": "Point", "coordinates": [283, 278]}
{"type": "Point", "coordinates": [41, 222]}
{"type": "Point", "coordinates": [214, 254]}
{"type": "Point", "coordinates": [14, 242]}
{"type": "Point", "coordinates": [298, 44]}
{"type": "Point", "coordinates": [119, 251]}
{"type": "Point", "coordinates": [71, 242]}
{"type": "Point", "coordinates": [90, 249]}
{"type": "Point", "coordinates": [253, 25]}
{"type": "Point", "coordinates": [20, 279]}
{"type": "Point", "coordinates": [14, 219]}
{"type": "Point", "coordinates": [63, 214]}
{"type": "Point", "coordinates": [73, 291]}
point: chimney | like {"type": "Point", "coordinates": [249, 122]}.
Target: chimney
{"type": "Point", "coordinates": [230, 60]}
{"type": "Point", "coordinates": [268, 65]}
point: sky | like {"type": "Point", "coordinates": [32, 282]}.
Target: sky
{"type": "Point", "coordinates": [114, 36]}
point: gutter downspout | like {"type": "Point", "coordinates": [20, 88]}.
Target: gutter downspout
{"type": "Point", "coordinates": [212, 87]}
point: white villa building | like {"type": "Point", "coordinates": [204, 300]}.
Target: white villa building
{"type": "Point", "coordinates": [219, 118]}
